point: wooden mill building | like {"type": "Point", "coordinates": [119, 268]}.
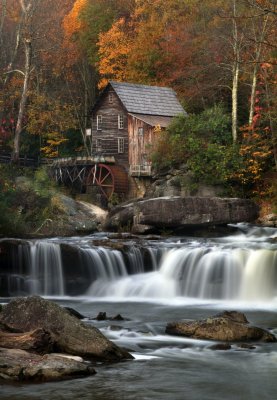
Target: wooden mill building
{"type": "Point", "coordinates": [125, 126]}
{"type": "Point", "coordinates": [126, 121]}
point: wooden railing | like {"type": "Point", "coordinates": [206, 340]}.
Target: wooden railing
{"type": "Point", "coordinates": [24, 161]}
{"type": "Point", "coordinates": [140, 170]}
{"type": "Point", "coordinates": [56, 162]}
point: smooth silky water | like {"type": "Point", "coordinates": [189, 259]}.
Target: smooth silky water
{"type": "Point", "coordinates": [150, 283]}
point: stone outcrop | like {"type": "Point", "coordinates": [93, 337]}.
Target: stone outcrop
{"type": "Point", "coordinates": [227, 327]}
{"type": "Point", "coordinates": [70, 335]}
{"type": "Point", "coordinates": [74, 218]}
{"type": "Point", "coordinates": [180, 182]}
{"type": "Point", "coordinates": [19, 365]}
{"type": "Point", "coordinates": [181, 212]}
{"type": "Point", "coordinates": [268, 220]}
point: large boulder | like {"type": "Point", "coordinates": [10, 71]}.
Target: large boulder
{"type": "Point", "coordinates": [228, 327]}
{"type": "Point", "coordinates": [70, 335]}
{"type": "Point", "coordinates": [19, 365]}
{"type": "Point", "coordinates": [182, 212]}
{"type": "Point", "coordinates": [74, 217]}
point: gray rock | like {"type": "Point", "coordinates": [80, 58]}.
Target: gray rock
{"type": "Point", "coordinates": [234, 316]}
{"type": "Point", "coordinates": [226, 328]}
{"type": "Point", "coordinates": [19, 365]}
{"type": "Point", "coordinates": [74, 217]}
{"type": "Point", "coordinates": [181, 212]}
{"type": "Point", "coordinates": [141, 229]}
{"type": "Point", "coordinates": [268, 220]}
{"type": "Point", "coordinates": [246, 346]}
{"type": "Point", "coordinates": [220, 346]}
{"type": "Point", "coordinates": [180, 182]}
{"type": "Point", "coordinates": [70, 334]}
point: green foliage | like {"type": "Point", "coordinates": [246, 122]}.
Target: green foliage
{"type": "Point", "coordinates": [72, 145]}
{"type": "Point", "coordinates": [97, 17]}
{"type": "Point", "coordinates": [213, 125]}
{"type": "Point", "coordinates": [195, 138]}
{"type": "Point", "coordinates": [25, 200]}
{"type": "Point", "coordinates": [202, 143]}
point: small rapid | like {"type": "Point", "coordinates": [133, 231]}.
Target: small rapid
{"type": "Point", "coordinates": [241, 267]}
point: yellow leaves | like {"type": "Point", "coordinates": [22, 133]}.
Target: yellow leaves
{"type": "Point", "coordinates": [55, 139]}
{"type": "Point", "coordinates": [114, 49]}
{"type": "Point", "coordinates": [46, 114]}
{"type": "Point", "coordinates": [256, 153]}
{"type": "Point", "coordinates": [72, 25]}
{"type": "Point", "coordinates": [157, 129]}
{"type": "Point", "coordinates": [72, 22]}
{"type": "Point", "coordinates": [49, 118]}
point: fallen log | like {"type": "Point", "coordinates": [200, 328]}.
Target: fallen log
{"type": "Point", "coordinates": [37, 341]}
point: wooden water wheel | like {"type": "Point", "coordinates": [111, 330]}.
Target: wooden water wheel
{"type": "Point", "coordinates": [109, 179]}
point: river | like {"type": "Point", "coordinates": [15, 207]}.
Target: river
{"type": "Point", "coordinates": [151, 282]}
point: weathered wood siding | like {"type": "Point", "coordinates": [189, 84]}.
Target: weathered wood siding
{"type": "Point", "coordinates": [106, 140]}
{"type": "Point", "coordinates": [140, 143]}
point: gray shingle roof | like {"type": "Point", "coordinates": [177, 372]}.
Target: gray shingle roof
{"type": "Point", "coordinates": [154, 120]}
{"type": "Point", "coordinates": [150, 100]}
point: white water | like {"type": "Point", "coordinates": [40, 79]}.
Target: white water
{"type": "Point", "coordinates": [149, 286]}
{"type": "Point", "coordinates": [46, 269]}
{"type": "Point", "coordinates": [232, 274]}
{"type": "Point", "coordinates": [240, 268]}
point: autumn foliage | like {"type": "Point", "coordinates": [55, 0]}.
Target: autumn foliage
{"type": "Point", "coordinates": [197, 47]}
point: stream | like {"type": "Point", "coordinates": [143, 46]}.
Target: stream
{"type": "Point", "coordinates": [150, 282]}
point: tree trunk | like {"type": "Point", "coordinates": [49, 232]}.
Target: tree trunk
{"type": "Point", "coordinates": [271, 121]}
{"type": "Point", "coordinates": [2, 19]}
{"type": "Point", "coordinates": [38, 340]}
{"type": "Point", "coordinates": [235, 102]}
{"type": "Point", "coordinates": [23, 101]}
{"type": "Point", "coordinates": [236, 68]}
{"type": "Point", "coordinates": [253, 95]}
{"type": "Point", "coordinates": [258, 51]}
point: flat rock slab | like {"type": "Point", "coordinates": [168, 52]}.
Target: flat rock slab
{"type": "Point", "coordinates": [181, 212]}
{"type": "Point", "coordinates": [19, 365]}
{"type": "Point", "coordinates": [70, 335]}
{"type": "Point", "coordinates": [227, 327]}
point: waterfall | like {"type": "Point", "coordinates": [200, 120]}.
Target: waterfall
{"type": "Point", "coordinates": [260, 276]}
{"type": "Point", "coordinates": [203, 273]}
{"type": "Point", "coordinates": [45, 269]}
{"type": "Point", "coordinates": [238, 270]}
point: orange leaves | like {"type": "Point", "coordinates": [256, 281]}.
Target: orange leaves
{"type": "Point", "coordinates": [115, 47]}
{"type": "Point", "coordinates": [72, 22]}
{"type": "Point", "coordinates": [55, 139]}
{"type": "Point", "coordinates": [72, 25]}
{"type": "Point", "coordinates": [256, 153]}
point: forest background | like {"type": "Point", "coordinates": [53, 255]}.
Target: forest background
{"type": "Point", "coordinates": [219, 57]}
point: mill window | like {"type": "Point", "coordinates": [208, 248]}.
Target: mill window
{"type": "Point", "coordinates": [99, 121]}
{"type": "Point", "coordinates": [120, 142]}
{"type": "Point", "coordinates": [140, 131]}
{"type": "Point", "coordinates": [98, 146]}
{"type": "Point", "coordinates": [120, 121]}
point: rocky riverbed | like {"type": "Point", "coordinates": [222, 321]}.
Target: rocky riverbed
{"type": "Point", "coordinates": [32, 329]}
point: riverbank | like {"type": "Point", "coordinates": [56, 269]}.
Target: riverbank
{"type": "Point", "coordinates": [32, 206]}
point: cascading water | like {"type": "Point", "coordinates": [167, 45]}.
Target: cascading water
{"type": "Point", "coordinates": [234, 268]}
{"type": "Point", "coordinates": [232, 274]}
{"type": "Point", "coordinates": [46, 270]}
{"type": "Point", "coordinates": [152, 283]}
